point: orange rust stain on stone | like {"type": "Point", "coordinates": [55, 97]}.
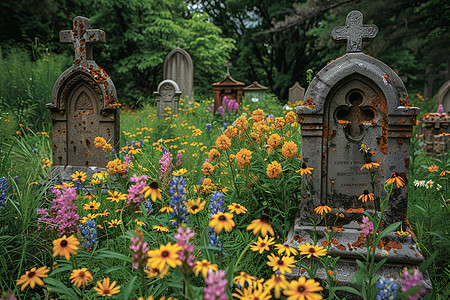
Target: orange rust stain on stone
{"type": "Point", "coordinates": [416, 254]}
{"type": "Point", "coordinates": [341, 247]}
{"type": "Point", "coordinates": [407, 162]}
{"type": "Point", "coordinates": [355, 210]}
{"type": "Point", "coordinates": [337, 228]}
{"type": "Point", "coordinates": [400, 121]}
{"type": "Point", "coordinates": [383, 140]}
{"type": "Point", "coordinates": [334, 241]}
{"type": "Point", "coordinates": [349, 247]}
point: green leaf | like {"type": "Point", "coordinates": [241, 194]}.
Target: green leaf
{"type": "Point", "coordinates": [129, 288]}
{"type": "Point", "coordinates": [424, 266]}
{"type": "Point", "coordinates": [389, 229]}
{"type": "Point", "coordinates": [348, 289]}
{"type": "Point", "coordinates": [412, 291]}
{"type": "Point", "coordinates": [58, 287]}
{"type": "Point", "coordinates": [379, 264]}
{"type": "Point", "coordinates": [362, 266]}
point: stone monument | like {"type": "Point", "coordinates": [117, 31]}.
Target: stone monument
{"type": "Point", "coordinates": [356, 111]}
{"type": "Point", "coordinates": [228, 87]}
{"type": "Point", "coordinates": [255, 92]}
{"type": "Point", "coordinates": [83, 107]}
{"type": "Point", "coordinates": [167, 96]}
{"type": "Point", "coordinates": [430, 78]}
{"type": "Point", "coordinates": [296, 93]}
{"type": "Point", "coordinates": [179, 67]}
{"type": "Point", "coordinates": [444, 96]}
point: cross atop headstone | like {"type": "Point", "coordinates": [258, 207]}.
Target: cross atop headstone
{"type": "Point", "coordinates": [178, 43]}
{"type": "Point", "coordinates": [228, 64]}
{"type": "Point", "coordinates": [82, 37]}
{"type": "Point", "coordinates": [354, 32]}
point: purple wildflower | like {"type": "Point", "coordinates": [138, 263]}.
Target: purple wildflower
{"type": "Point", "coordinates": [236, 105]}
{"type": "Point", "coordinates": [183, 236]}
{"type": "Point", "coordinates": [140, 249]}
{"type": "Point", "coordinates": [440, 109]}
{"type": "Point", "coordinates": [412, 279]}
{"type": "Point", "coordinates": [208, 127]}
{"type": "Point", "coordinates": [62, 216]}
{"type": "Point", "coordinates": [216, 284]}
{"type": "Point", "coordinates": [179, 157]}
{"type": "Point", "coordinates": [367, 227]}
{"type": "Point", "coordinates": [134, 192]}
{"type": "Point", "coordinates": [166, 165]}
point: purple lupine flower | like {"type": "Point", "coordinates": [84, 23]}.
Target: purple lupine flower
{"type": "Point", "coordinates": [236, 105]}
{"type": "Point", "coordinates": [179, 158]}
{"type": "Point", "coordinates": [134, 192]}
{"type": "Point", "coordinates": [440, 109]}
{"type": "Point", "coordinates": [140, 249]}
{"type": "Point", "coordinates": [62, 216]}
{"type": "Point", "coordinates": [166, 165]}
{"type": "Point", "coordinates": [208, 127]}
{"type": "Point", "coordinates": [412, 279]}
{"type": "Point", "coordinates": [230, 105]}
{"type": "Point", "coordinates": [225, 126]}
{"type": "Point", "coordinates": [221, 110]}
{"type": "Point", "coordinates": [216, 284]}
{"type": "Point", "coordinates": [183, 236]}
{"type": "Point", "coordinates": [367, 227]}
{"type": "Point", "coordinates": [224, 101]}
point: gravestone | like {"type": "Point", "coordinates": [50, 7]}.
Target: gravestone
{"type": "Point", "coordinates": [430, 78]}
{"type": "Point", "coordinates": [228, 87]}
{"type": "Point", "coordinates": [296, 93]}
{"type": "Point", "coordinates": [83, 107]}
{"type": "Point", "coordinates": [353, 102]}
{"type": "Point", "coordinates": [167, 96]}
{"type": "Point", "coordinates": [255, 92]}
{"type": "Point", "coordinates": [179, 67]}
{"type": "Point", "coordinates": [444, 96]}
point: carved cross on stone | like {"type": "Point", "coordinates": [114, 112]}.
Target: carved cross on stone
{"type": "Point", "coordinates": [178, 44]}
{"type": "Point", "coordinates": [355, 115]}
{"type": "Point", "coordinates": [354, 32]}
{"type": "Point", "coordinates": [82, 37]}
{"type": "Point", "coordinates": [228, 64]}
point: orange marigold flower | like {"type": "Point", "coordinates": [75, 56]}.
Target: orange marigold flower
{"type": "Point", "coordinates": [274, 141]}
{"type": "Point", "coordinates": [231, 132]}
{"type": "Point", "coordinates": [291, 117]}
{"type": "Point", "coordinates": [433, 168]}
{"type": "Point", "coordinates": [280, 123]}
{"type": "Point", "coordinates": [241, 124]}
{"type": "Point", "coordinates": [255, 137]}
{"type": "Point", "coordinates": [213, 154]}
{"type": "Point", "coordinates": [207, 168]}
{"type": "Point", "coordinates": [243, 157]}
{"type": "Point", "coordinates": [289, 150]}
{"type": "Point", "coordinates": [258, 115]}
{"type": "Point", "coordinates": [99, 142]}
{"type": "Point", "coordinates": [223, 142]}
{"type": "Point", "coordinates": [274, 170]}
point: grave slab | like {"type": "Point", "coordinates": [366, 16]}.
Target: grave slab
{"type": "Point", "coordinates": [167, 98]}
{"type": "Point", "coordinates": [178, 66]}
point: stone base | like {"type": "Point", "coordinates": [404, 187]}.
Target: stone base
{"type": "Point", "coordinates": [62, 174]}
{"type": "Point", "coordinates": [400, 251]}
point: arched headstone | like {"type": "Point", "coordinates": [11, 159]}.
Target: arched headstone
{"type": "Point", "coordinates": [167, 96]}
{"type": "Point", "coordinates": [444, 96]}
{"type": "Point", "coordinates": [83, 107]}
{"type": "Point", "coordinates": [179, 67]}
{"type": "Point", "coordinates": [356, 111]}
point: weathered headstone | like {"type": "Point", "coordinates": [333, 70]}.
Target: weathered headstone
{"type": "Point", "coordinates": [255, 92]}
{"type": "Point", "coordinates": [444, 96]}
{"type": "Point", "coordinates": [228, 87]}
{"type": "Point", "coordinates": [296, 93]}
{"type": "Point", "coordinates": [430, 78]}
{"type": "Point", "coordinates": [83, 107]}
{"type": "Point", "coordinates": [167, 96]}
{"type": "Point", "coordinates": [179, 67]}
{"type": "Point", "coordinates": [355, 102]}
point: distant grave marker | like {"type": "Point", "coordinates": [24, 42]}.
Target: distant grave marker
{"type": "Point", "coordinates": [179, 67]}
{"type": "Point", "coordinates": [84, 106]}
{"type": "Point", "coordinates": [167, 96]}
{"type": "Point", "coordinates": [356, 111]}
{"type": "Point", "coordinates": [228, 87]}
{"type": "Point", "coordinates": [296, 93]}
{"type": "Point", "coordinates": [256, 92]}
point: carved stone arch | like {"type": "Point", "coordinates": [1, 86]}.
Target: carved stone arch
{"type": "Point", "coordinates": [68, 84]}
{"type": "Point", "coordinates": [179, 67]}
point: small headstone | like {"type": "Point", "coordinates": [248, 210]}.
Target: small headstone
{"type": "Point", "coordinates": [256, 92]}
{"type": "Point", "coordinates": [167, 98]}
{"type": "Point", "coordinates": [444, 96]}
{"type": "Point", "coordinates": [179, 67]}
{"type": "Point", "coordinates": [296, 93]}
{"type": "Point", "coordinates": [83, 107]}
{"type": "Point", "coordinates": [356, 110]}
{"type": "Point", "coordinates": [228, 87]}
{"type": "Point", "coordinates": [430, 78]}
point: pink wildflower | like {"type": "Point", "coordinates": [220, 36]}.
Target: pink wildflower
{"type": "Point", "coordinates": [140, 249]}
{"type": "Point", "coordinates": [166, 165]}
{"type": "Point", "coordinates": [183, 236]}
{"type": "Point", "coordinates": [367, 227]}
{"type": "Point", "coordinates": [216, 284]}
{"type": "Point", "coordinates": [134, 192]}
{"type": "Point", "coordinates": [412, 279]}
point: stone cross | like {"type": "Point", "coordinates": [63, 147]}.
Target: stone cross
{"type": "Point", "coordinates": [354, 32]}
{"type": "Point", "coordinates": [355, 114]}
{"type": "Point", "coordinates": [228, 64]}
{"type": "Point", "coordinates": [82, 37]}
{"type": "Point", "coordinates": [178, 44]}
